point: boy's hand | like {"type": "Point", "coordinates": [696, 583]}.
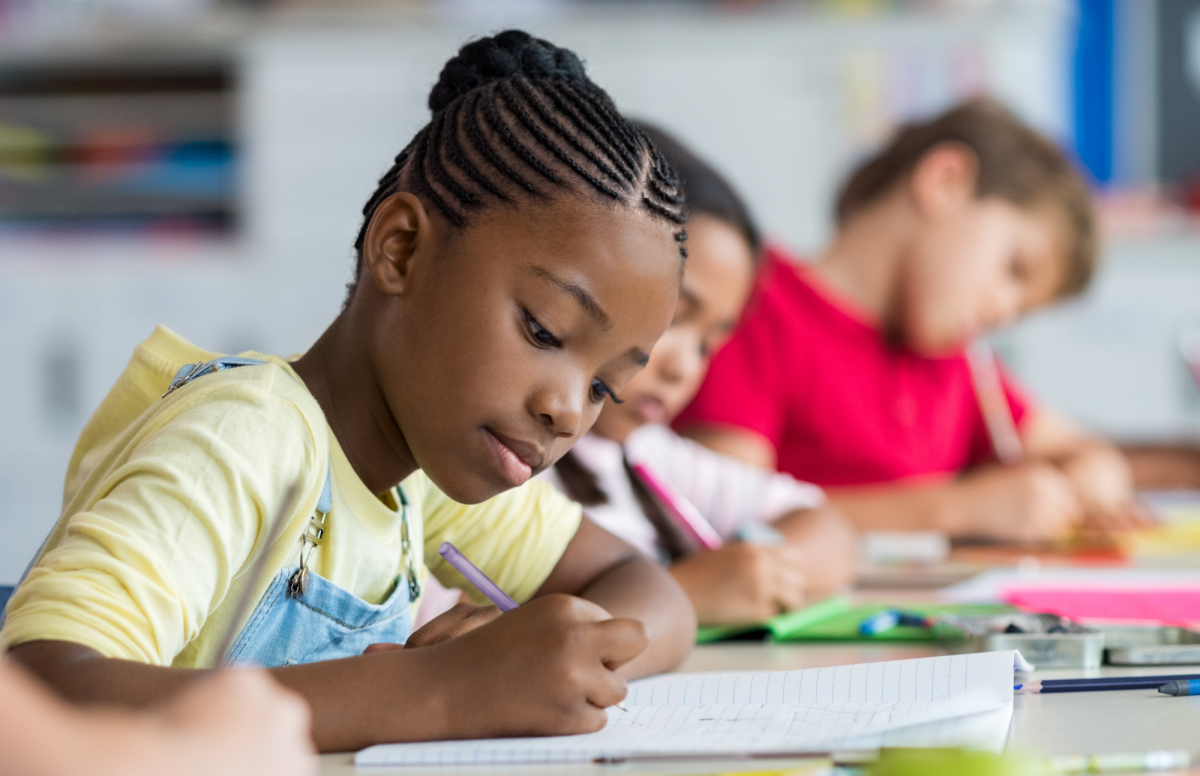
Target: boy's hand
{"type": "Point", "coordinates": [237, 722]}
{"type": "Point", "coordinates": [1030, 503]}
{"type": "Point", "coordinates": [1103, 481]}
{"type": "Point", "coordinates": [545, 668]}
{"type": "Point", "coordinates": [742, 582]}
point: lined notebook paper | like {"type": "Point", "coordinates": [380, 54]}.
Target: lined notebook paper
{"type": "Point", "coordinates": [957, 700]}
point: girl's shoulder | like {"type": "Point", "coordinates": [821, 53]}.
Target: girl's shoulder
{"type": "Point", "coordinates": [139, 403]}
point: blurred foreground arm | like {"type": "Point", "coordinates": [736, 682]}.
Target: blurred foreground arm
{"type": "Point", "coordinates": [234, 723]}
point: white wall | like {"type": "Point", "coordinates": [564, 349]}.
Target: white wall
{"type": "Point", "coordinates": [780, 100]}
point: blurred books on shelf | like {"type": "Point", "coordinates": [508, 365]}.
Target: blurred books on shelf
{"type": "Point", "coordinates": [118, 145]}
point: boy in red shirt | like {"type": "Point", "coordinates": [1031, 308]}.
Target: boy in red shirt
{"type": "Point", "coordinates": [852, 373]}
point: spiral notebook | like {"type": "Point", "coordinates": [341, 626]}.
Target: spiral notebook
{"type": "Point", "coordinates": [956, 700]}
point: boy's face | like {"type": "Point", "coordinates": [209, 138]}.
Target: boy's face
{"type": "Point", "coordinates": [716, 283]}
{"type": "Point", "coordinates": [500, 353]}
{"type": "Point", "coordinates": [975, 269]}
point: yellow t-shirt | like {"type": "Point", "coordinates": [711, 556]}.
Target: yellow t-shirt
{"type": "Point", "coordinates": [167, 502]}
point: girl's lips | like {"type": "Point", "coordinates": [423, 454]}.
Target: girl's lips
{"type": "Point", "coordinates": [512, 466]}
{"type": "Point", "coordinates": [650, 409]}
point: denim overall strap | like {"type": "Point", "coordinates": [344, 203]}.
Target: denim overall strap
{"type": "Point", "coordinates": [189, 372]}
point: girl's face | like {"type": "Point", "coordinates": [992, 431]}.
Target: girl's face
{"type": "Point", "coordinates": [975, 269]}
{"type": "Point", "coordinates": [498, 349]}
{"type": "Point", "coordinates": [716, 282]}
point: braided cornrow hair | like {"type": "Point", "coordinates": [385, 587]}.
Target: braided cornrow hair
{"type": "Point", "coordinates": [516, 116]}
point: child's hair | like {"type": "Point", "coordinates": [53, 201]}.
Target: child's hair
{"type": "Point", "coordinates": [515, 116]}
{"type": "Point", "coordinates": [706, 191]}
{"type": "Point", "coordinates": [1015, 164]}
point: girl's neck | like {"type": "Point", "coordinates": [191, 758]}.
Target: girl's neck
{"type": "Point", "coordinates": [864, 261]}
{"type": "Point", "coordinates": [337, 371]}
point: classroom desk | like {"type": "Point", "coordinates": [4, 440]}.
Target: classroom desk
{"type": "Point", "coordinates": [1060, 724]}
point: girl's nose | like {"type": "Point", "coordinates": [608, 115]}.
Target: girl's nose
{"type": "Point", "coordinates": [559, 408]}
{"type": "Point", "coordinates": [676, 357]}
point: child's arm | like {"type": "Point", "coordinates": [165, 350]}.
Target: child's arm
{"type": "Point", "coordinates": [546, 668]}
{"type": "Point", "coordinates": [240, 723]}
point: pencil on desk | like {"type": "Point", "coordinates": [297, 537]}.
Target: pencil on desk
{"type": "Point", "coordinates": [1102, 683]}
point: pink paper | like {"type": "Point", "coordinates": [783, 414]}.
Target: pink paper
{"type": "Point", "coordinates": [1166, 606]}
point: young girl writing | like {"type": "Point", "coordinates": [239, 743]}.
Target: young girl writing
{"type": "Point", "coordinates": [515, 267]}
{"type": "Point", "coordinates": [851, 372]}
{"type": "Point", "coordinates": [239, 722]}
{"type": "Point", "coordinates": [741, 581]}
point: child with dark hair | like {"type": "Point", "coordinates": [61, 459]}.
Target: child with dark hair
{"type": "Point", "coordinates": [853, 372]}
{"type": "Point", "coordinates": [742, 581]}
{"type": "Point", "coordinates": [515, 268]}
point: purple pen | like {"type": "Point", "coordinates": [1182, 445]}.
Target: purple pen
{"type": "Point", "coordinates": [476, 577]}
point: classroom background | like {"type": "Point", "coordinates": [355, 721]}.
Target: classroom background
{"type": "Point", "coordinates": [202, 164]}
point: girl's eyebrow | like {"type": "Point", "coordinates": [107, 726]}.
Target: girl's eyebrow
{"type": "Point", "coordinates": [581, 295]}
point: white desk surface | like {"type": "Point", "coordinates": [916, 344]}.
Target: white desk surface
{"type": "Point", "coordinates": [1058, 724]}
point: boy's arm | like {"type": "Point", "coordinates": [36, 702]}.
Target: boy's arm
{"type": "Point", "coordinates": [605, 570]}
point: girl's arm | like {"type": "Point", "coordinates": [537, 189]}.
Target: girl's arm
{"type": "Point", "coordinates": [547, 668]}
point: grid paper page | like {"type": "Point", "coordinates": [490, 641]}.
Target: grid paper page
{"type": "Point", "coordinates": [958, 700]}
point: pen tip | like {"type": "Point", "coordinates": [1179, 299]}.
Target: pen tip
{"type": "Point", "coordinates": [622, 706]}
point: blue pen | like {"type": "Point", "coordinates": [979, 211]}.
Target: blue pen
{"type": "Point", "coordinates": [884, 621]}
{"type": "Point", "coordinates": [880, 622]}
{"type": "Point", "coordinates": [1181, 687]}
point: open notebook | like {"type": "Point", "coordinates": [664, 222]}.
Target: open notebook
{"type": "Point", "coordinates": [957, 700]}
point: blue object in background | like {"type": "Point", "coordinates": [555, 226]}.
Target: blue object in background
{"type": "Point", "coordinates": [1093, 92]}
{"type": "Point", "coordinates": [5, 593]}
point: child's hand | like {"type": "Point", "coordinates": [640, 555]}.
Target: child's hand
{"type": "Point", "coordinates": [237, 722]}
{"type": "Point", "coordinates": [460, 619]}
{"type": "Point", "coordinates": [1103, 481]}
{"type": "Point", "coordinates": [1031, 503]}
{"type": "Point", "coordinates": [742, 582]}
{"type": "Point", "coordinates": [545, 668]}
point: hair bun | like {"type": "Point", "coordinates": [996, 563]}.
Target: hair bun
{"type": "Point", "coordinates": [508, 54]}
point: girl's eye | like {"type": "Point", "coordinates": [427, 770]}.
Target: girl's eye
{"type": "Point", "coordinates": [600, 390]}
{"type": "Point", "coordinates": [1017, 270]}
{"type": "Point", "coordinates": [541, 335]}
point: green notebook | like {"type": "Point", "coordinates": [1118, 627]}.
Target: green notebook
{"type": "Point", "coordinates": [834, 619]}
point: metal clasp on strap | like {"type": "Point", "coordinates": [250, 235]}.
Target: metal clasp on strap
{"type": "Point", "coordinates": [189, 372]}
{"type": "Point", "coordinates": [406, 548]}
{"type": "Point", "coordinates": [313, 536]}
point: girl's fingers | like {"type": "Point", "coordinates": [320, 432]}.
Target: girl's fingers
{"type": "Point", "coordinates": [620, 640]}
{"type": "Point", "coordinates": [609, 690]}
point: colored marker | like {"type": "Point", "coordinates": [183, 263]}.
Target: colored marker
{"type": "Point", "coordinates": [1181, 687]}
{"type": "Point", "coordinates": [501, 599]}
{"type": "Point", "coordinates": [682, 511]}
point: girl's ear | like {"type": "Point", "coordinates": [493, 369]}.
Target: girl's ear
{"type": "Point", "coordinates": [398, 226]}
{"type": "Point", "coordinates": [944, 178]}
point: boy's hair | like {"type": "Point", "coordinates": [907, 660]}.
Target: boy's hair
{"type": "Point", "coordinates": [515, 116]}
{"type": "Point", "coordinates": [1015, 164]}
{"type": "Point", "coordinates": [705, 191]}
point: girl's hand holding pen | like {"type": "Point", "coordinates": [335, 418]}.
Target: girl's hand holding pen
{"type": "Point", "coordinates": [546, 668]}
